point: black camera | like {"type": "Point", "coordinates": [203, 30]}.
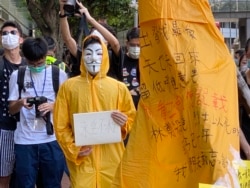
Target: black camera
{"type": "Point", "coordinates": [71, 7]}
{"type": "Point", "coordinates": [38, 101]}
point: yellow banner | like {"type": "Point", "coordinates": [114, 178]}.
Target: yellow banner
{"type": "Point", "coordinates": [187, 129]}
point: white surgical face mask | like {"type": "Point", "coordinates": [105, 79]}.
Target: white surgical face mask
{"type": "Point", "coordinates": [10, 41]}
{"type": "Point", "coordinates": [134, 52]}
{"type": "Point", "coordinates": [92, 57]}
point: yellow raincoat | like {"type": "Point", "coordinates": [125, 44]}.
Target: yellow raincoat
{"type": "Point", "coordinates": [186, 130]}
{"type": "Point", "coordinates": [82, 94]}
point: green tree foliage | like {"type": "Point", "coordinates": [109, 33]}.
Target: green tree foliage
{"type": "Point", "coordinates": [117, 12]}
{"type": "Point", "coordinates": [45, 15]}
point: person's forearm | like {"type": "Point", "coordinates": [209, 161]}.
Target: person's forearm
{"type": "Point", "coordinates": [244, 144]}
{"type": "Point", "coordinates": [112, 40]}
{"type": "Point", "coordinates": [66, 35]}
{"type": "Point", "coordinates": [15, 106]}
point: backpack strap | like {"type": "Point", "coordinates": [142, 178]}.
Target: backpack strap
{"type": "Point", "coordinates": [55, 78]}
{"type": "Point", "coordinates": [57, 62]}
{"type": "Point", "coordinates": [20, 79]}
{"type": "Point", "coordinates": [60, 64]}
{"type": "Point", "coordinates": [20, 83]}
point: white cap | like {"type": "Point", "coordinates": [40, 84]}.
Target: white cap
{"type": "Point", "coordinates": [97, 33]}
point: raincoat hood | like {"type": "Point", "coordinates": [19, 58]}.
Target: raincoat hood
{"type": "Point", "coordinates": [105, 59]}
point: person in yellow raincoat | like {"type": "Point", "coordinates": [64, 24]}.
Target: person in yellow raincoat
{"type": "Point", "coordinates": [92, 91]}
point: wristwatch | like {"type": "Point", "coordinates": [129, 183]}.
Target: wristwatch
{"type": "Point", "coordinates": [62, 15]}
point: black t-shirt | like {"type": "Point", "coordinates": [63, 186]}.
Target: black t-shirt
{"type": "Point", "coordinates": [244, 111]}
{"type": "Point", "coordinates": [7, 122]}
{"type": "Point", "coordinates": [130, 77]}
{"type": "Point", "coordinates": [245, 127]}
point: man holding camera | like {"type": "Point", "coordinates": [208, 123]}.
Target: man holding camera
{"type": "Point", "coordinates": [36, 147]}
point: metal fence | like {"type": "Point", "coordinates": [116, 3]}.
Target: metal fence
{"type": "Point", "coordinates": [230, 5]}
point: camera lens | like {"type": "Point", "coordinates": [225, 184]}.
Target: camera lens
{"type": "Point", "coordinates": [69, 7]}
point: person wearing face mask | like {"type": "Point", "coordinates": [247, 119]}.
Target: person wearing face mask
{"type": "Point", "coordinates": [36, 149]}
{"type": "Point", "coordinates": [92, 91]}
{"type": "Point", "coordinates": [10, 60]}
{"type": "Point", "coordinates": [130, 67]}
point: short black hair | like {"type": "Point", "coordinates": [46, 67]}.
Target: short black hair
{"type": "Point", "coordinates": [34, 49]}
{"type": "Point", "coordinates": [133, 33]}
{"type": "Point", "coordinates": [50, 41]}
{"type": "Point", "coordinates": [240, 52]}
{"type": "Point", "coordinates": [12, 24]}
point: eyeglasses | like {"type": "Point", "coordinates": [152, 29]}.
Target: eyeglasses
{"type": "Point", "coordinates": [13, 32]}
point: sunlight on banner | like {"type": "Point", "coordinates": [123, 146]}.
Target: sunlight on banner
{"type": "Point", "coordinates": [201, 185]}
{"type": "Point", "coordinates": [244, 174]}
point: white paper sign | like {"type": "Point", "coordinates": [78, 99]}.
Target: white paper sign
{"type": "Point", "coordinates": [95, 128]}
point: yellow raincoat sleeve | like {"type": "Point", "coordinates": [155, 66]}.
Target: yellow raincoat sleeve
{"type": "Point", "coordinates": [127, 107]}
{"type": "Point", "coordinates": [63, 127]}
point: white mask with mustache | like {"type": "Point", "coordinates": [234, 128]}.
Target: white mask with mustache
{"type": "Point", "coordinates": [92, 57]}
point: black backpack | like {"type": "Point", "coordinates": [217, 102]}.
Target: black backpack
{"type": "Point", "coordinates": [21, 73]}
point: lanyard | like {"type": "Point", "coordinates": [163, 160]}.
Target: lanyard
{"type": "Point", "coordinates": [44, 80]}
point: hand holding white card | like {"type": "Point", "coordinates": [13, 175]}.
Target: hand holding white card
{"type": "Point", "coordinates": [95, 128]}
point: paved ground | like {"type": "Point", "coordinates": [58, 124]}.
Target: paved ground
{"type": "Point", "coordinates": [65, 181]}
